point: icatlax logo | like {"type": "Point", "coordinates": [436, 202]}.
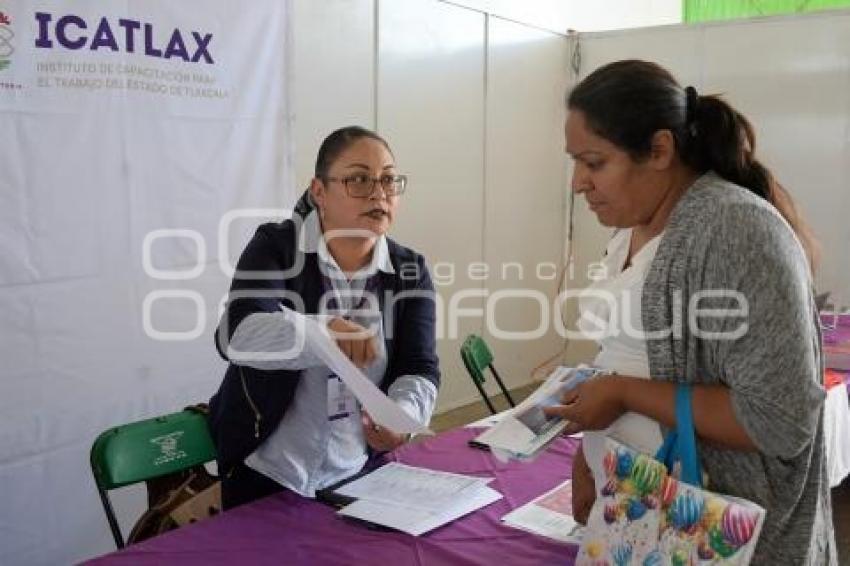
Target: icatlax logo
{"type": "Point", "coordinates": [124, 36]}
{"type": "Point", "coordinates": [7, 48]}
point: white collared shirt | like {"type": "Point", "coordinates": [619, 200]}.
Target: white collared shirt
{"type": "Point", "coordinates": [308, 450]}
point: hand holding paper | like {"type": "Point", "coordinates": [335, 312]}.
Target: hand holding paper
{"type": "Point", "coordinates": [382, 410]}
{"type": "Point", "coordinates": [356, 342]}
{"type": "Point", "coordinates": [529, 427]}
{"type": "Point", "coordinates": [379, 437]}
{"type": "Point", "coordinates": [590, 405]}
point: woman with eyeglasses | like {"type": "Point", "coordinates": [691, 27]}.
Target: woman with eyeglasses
{"type": "Point", "coordinates": [708, 285]}
{"type": "Point", "coordinates": [281, 419]}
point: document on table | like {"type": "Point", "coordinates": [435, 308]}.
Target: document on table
{"type": "Point", "coordinates": [381, 408]}
{"type": "Point", "coordinates": [411, 486]}
{"type": "Point", "coordinates": [415, 500]}
{"type": "Point", "coordinates": [417, 521]}
{"type": "Point", "coordinates": [550, 515]}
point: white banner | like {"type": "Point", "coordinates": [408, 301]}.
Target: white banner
{"type": "Point", "coordinates": [128, 132]}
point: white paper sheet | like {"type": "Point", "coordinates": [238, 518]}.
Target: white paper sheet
{"type": "Point", "coordinates": [416, 520]}
{"type": "Point", "coordinates": [550, 515]}
{"type": "Point", "coordinates": [383, 410]}
{"type": "Point", "coordinates": [418, 488]}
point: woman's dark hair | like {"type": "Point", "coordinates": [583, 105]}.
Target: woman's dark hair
{"type": "Point", "coordinates": [626, 102]}
{"type": "Point", "coordinates": [337, 142]}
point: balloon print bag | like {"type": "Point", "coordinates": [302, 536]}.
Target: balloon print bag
{"type": "Point", "coordinates": [646, 516]}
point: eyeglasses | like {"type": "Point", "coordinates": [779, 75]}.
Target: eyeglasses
{"type": "Point", "coordinates": [363, 186]}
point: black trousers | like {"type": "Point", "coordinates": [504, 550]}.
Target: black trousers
{"type": "Point", "coordinates": [244, 485]}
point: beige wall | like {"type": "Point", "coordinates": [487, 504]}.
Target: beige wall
{"type": "Point", "coordinates": [473, 108]}
{"type": "Point", "coordinates": [796, 99]}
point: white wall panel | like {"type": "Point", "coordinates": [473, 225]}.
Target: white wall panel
{"type": "Point", "coordinates": [525, 191]}
{"type": "Point", "coordinates": [559, 15]}
{"type": "Point", "coordinates": [794, 93]}
{"type": "Point", "coordinates": [333, 86]}
{"type": "Point", "coordinates": [431, 110]}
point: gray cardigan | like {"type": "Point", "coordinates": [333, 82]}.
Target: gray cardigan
{"type": "Point", "coordinates": [767, 350]}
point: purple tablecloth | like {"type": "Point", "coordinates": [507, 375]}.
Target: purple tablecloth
{"type": "Point", "coordinates": [836, 328]}
{"type": "Point", "coordinates": [836, 343]}
{"type": "Point", "coordinates": [288, 529]}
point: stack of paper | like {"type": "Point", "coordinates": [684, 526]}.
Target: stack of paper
{"type": "Point", "coordinates": [550, 515]}
{"type": "Point", "coordinates": [526, 430]}
{"type": "Point", "coordinates": [415, 500]}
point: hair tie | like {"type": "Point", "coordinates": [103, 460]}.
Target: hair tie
{"type": "Point", "coordinates": [692, 101]}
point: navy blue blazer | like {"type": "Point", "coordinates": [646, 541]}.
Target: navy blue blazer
{"type": "Point", "coordinates": [250, 403]}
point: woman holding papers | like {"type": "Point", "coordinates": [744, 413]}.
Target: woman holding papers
{"type": "Point", "coordinates": [709, 283]}
{"type": "Point", "coordinates": [282, 418]}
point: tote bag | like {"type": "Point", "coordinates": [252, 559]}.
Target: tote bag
{"type": "Point", "coordinates": [653, 511]}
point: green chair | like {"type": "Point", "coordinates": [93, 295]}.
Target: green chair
{"type": "Point", "coordinates": [148, 449]}
{"type": "Point", "coordinates": [477, 357]}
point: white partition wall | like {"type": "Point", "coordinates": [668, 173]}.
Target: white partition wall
{"type": "Point", "coordinates": [795, 94]}
{"type": "Point", "coordinates": [431, 107]}
{"type": "Point", "coordinates": [334, 75]}
{"type": "Point", "coordinates": [561, 15]}
{"type": "Point", "coordinates": [798, 97]}
{"type": "Point", "coordinates": [473, 106]}
{"type": "Point", "coordinates": [524, 201]}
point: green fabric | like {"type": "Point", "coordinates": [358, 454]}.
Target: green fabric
{"type": "Point", "coordinates": [696, 11]}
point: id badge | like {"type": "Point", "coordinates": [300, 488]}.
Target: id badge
{"type": "Point", "coordinates": [341, 402]}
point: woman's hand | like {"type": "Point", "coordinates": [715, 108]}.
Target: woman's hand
{"type": "Point", "coordinates": [356, 342]}
{"type": "Point", "coordinates": [381, 438]}
{"type": "Point", "coordinates": [592, 405]}
{"type": "Point", "coordinates": [584, 488]}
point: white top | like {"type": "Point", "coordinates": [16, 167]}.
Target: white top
{"type": "Point", "coordinates": [320, 441]}
{"type": "Point", "coordinates": [610, 313]}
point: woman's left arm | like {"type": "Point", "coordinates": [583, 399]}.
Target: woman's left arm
{"type": "Point", "coordinates": [596, 404]}
{"type": "Point", "coordinates": [766, 392]}
{"type": "Point", "coordinates": [415, 362]}
{"type": "Point", "coordinates": [414, 359]}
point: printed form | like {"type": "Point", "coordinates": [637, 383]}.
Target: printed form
{"type": "Point", "coordinates": [550, 515]}
{"type": "Point", "coordinates": [415, 500]}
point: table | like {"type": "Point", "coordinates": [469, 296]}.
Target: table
{"type": "Point", "coordinates": [836, 341]}
{"type": "Point", "coordinates": [289, 529]}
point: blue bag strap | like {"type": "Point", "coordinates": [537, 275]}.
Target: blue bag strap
{"type": "Point", "coordinates": [668, 453]}
{"type": "Point", "coordinates": [680, 443]}
{"type": "Point", "coordinates": [687, 437]}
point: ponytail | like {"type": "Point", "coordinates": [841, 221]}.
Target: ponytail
{"type": "Point", "coordinates": [721, 139]}
{"type": "Point", "coordinates": [626, 102]}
